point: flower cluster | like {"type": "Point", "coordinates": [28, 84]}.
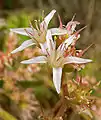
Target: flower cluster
{"type": "Point", "coordinates": [57, 45]}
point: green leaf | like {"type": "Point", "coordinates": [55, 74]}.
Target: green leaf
{"type": "Point", "coordinates": [5, 115]}
{"type": "Point", "coordinates": [30, 84]}
{"type": "Point", "coordinates": [1, 83]}
{"type": "Point", "coordinates": [68, 68]}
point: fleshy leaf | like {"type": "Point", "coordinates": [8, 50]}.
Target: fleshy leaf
{"type": "Point", "coordinates": [5, 115]}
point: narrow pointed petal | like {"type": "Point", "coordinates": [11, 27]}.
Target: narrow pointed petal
{"type": "Point", "coordinates": [66, 43]}
{"type": "Point", "coordinates": [24, 45]}
{"type": "Point", "coordinates": [57, 74]}
{"type": "Point", "coordinates": [76, 60]}
{"type": "Point", "coordinates": [22, 31]}
{"type": "Point", "coordinates": [77, 32]}
{"type": "Point", "coordinates": [61, 47]}
{"type": "Point", "coordinates": [61, 25]}
{"type": "Point", "coordinates": [50, 42]}
{"type": "Point", "coordinates": [44, 48]}
{"type": "Point", "coordinates": [72, 25]}
{"type": "Point", "coordinates": [70, 40]}
{"type": "Point", "coordinates": [48, 18]}
{"type": "Point", "coordinates": [39, 59]}
{"type": "Point", "coordinates": [58, 31]}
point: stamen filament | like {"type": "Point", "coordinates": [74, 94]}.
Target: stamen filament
{"type": "Point", "coordinates": [36, 24]}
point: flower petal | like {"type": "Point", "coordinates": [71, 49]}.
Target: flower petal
{"type": "Point", "coordinates": [50, 43]}
{"type": "Point", "coordinates": [39, 59]}
{"type": "Point", "coordinates": [23, 46]}
{"type": "Point", "coordinates": [48, 18]}
{"type": "Point", "coordinates": [22, 31]}
{"type": "Point", "coordinates": [57, 74]}
{"type": "Point", "coordinates": [72, 25]}
{"type": "Point", "coordinates": [76, 60]}
{"type": "Point", "coordinates": [70, 40]}
{"type": "Point", "coordinates": [60, 21]}
{"type": "Point", "coordinates": [63, 46]}
{"type": "Point", "coordinates": [58, 31]}
{"type": "Point", "coordinates": [43, 47]}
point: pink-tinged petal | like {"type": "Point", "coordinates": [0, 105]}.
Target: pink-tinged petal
{"type": "Point", "coordinates": [50, 43]}
{"type": "Point", "coordinates": [70, 40]}
{"type": "Point", "coordinates": [76, 60]}
{"type": "Point", "coordinates": [62, 47]}
{"type": "Point", "coordinates": [39, 59]}
{"type": "Point", "coordinates": [58, 31]}
{"type": "Point", "coordinates": [44, 47]}
{"type": "Point", "coordinates": [48, 18]}
{"type": "Point", "coordinates": [72, 25]}
{"type": "Point", "coordinates": [77, 32]}
{"type": "Point", "coordinates": [61, 25]}
{"type": "Point", "coordinates": [22, 31]}
{"type": "Point", "coordinates": [24, 45]}
{"type": "Point", "coordinates": [57, 75]}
